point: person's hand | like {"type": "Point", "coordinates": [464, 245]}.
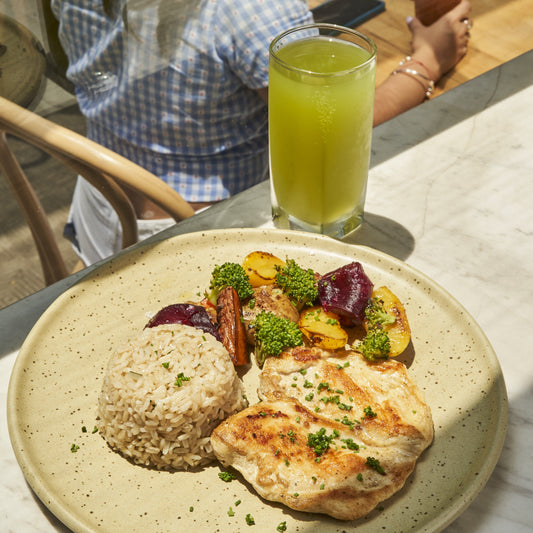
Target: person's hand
{"type": "Point", "coordinates": [442, 45]}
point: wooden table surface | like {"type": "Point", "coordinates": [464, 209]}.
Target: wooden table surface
{"type": "Point", "coordinates": [502, 30]}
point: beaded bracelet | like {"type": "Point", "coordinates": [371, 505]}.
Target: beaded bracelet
{"type": "Point", "coordinates": [427, 83]}
{"type": "Point", "coordinates": [417, 76]}
{"type": "Point", "coordinates": [409, 59]}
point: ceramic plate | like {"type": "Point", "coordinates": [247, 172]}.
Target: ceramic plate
{"type": "Point", "coordinates": [58, 375]}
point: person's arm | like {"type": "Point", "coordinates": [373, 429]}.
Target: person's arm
{"type": "Point", "coordinates": [436, 49]}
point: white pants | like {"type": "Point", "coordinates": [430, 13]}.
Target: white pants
{"type": "Point", "coordinates": [94, 228]}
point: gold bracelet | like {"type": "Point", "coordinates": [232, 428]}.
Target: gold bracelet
{"type": "Point", "coordinates": [427, 84]}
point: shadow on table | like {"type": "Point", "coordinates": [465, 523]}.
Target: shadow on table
{"type": "Point", "coordinates": [385, 235]}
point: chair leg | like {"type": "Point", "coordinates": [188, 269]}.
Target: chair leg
{"type": "Point", "coordinates": [52, 262]}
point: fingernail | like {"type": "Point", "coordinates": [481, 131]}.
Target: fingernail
{"type": "Point", "coordinates": [409, 19]}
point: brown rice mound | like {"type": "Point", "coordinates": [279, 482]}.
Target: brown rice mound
{"type": "Point", "coordinates": [164, 392]}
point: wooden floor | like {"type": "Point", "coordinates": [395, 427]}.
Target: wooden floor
{"type": "Point", "coordinates": [503, 29]}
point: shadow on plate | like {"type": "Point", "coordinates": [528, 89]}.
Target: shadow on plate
{"type": "Point", "coordinates": [385, 235]}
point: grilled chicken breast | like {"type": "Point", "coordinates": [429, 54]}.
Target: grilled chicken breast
{"type": "Point", "coordinates": [333, 434]}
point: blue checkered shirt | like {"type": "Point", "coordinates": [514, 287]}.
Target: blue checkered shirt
{"type": "Point", "coordinates": [170, 84]}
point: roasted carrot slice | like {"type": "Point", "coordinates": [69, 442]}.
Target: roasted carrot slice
{"type": "Point", "coordinates": [231, 326]}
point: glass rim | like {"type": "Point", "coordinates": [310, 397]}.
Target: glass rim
{"type": "Point", "coordinates": [334, 28]}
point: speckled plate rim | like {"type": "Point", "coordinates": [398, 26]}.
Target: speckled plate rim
{"type": "Point", "coordinates": [323, 249]}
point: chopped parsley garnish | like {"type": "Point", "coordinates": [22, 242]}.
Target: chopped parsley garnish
{"type": "Point", "coordinates": [74, 448]}
{"type": "Point", "coordinates": [319, 441]}
{"type": "Point", "coordinates": [230, 512]}
{"type": "Point", "coordinates": [350, 444]}
{"type": "Point", "coordinates": [166, 364]}
{"type": "Point", "coordinates": [336, 400]}
{"type": "Point", "coordinates": [180, 378]}
{"type": "Point", "coordinates": [369, 413]}
{"type": "Point", "coordinates": [374, 463]}
{"type": "Point", "coordinates": [323, 385]}
{"type": "Point", "coordinates": [250, 520]}
{"type": "Point", "coordinates": [227, 476]}
{"type": "Point", "coordinates": [282, 526]}
{"type": "Point", "coordinates": [347, 422]}
{"type": "Point", "coordinates": [330, 399]}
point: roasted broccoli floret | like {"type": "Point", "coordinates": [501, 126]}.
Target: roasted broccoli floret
{"type": "Point", "coordinates": [229, 275]}
{"type": "Point", "coordinates": [297, 283]}
{"type": "Point", "coordinates": [375, 345]}
{"type": "Point", "coordinates": [273, 334]}
{"type": "Point", "coordinates": [376, 315]}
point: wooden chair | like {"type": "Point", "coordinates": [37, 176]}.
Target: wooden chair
{"type": "Point", "coordinates": [103, 168]}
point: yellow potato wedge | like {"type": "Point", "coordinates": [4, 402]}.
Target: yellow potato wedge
{"type": "Point", "coordinates": [322, 328]}
{"type": "Point", "coordinates": [399, 331]}
{"type": "Point", "coordinates": [261, 268]}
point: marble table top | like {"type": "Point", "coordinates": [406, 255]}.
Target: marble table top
{"type": "Point", "coordinates": [451, 194]}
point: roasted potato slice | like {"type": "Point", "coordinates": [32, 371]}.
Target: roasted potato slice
{"type": "Point", "coordinates": [399, 331]}
{"type": "Point", "coordinates": [322, 328]}
{"type": "Point", "coordinates": [261, 268]}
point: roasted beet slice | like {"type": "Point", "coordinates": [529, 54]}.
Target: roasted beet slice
{"type": "Point", "coordinates": [187, 314]}
{"type": "Point", "coordinates": [346, 291]}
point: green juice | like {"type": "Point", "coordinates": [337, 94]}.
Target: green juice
{"type": "Point", "coordinates": [320, 128]}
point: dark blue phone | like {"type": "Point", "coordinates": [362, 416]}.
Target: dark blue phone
{"type": "Point", "coordinates": [349, 13]}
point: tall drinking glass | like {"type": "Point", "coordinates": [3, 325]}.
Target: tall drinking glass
{"type": "Point", "coordinates": [321, 101]}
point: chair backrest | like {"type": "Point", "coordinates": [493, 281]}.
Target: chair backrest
{"type": "Point", "coordinates": [104, 169]}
